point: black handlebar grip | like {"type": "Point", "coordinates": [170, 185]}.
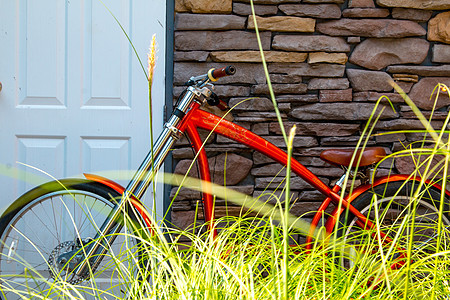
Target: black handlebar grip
{"type": "Point", "coordinates": [215, 74]}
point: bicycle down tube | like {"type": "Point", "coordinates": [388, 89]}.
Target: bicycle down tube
{"type": "Point", "coordinates": [143, 176]}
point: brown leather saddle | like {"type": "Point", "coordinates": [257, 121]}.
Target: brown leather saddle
{"type": "Point", "coordinates": [343, 157]}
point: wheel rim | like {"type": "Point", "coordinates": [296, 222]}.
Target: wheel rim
{"type": "Point", "coordinates": [396, 215]}
{"type": "Point", "coordinates": [37, 230]}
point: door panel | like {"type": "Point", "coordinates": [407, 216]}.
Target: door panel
{"type": "Point", "coordinates": [41, 36]}
{"type": "Point", "coordinates": [75, 98]}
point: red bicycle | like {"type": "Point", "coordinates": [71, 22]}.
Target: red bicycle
{"type": "Point", "coordinates": [64, 228]}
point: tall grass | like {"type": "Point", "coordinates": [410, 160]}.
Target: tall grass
{"type": "Point", "coordinates": [257, 257]}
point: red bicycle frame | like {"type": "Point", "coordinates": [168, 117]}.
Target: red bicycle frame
{"type": "Point", "coordinates": [188, 118]}
{"type": "Point", "coordinates": [197, 118]}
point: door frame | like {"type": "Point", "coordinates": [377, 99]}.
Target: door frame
{"type": "Point", "coordinates": [168, 107]}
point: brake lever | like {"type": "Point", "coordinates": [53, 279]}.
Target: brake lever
{"type": "Point", "coordinates": [214, 100]}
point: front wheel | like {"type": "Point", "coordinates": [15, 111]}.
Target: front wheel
{"type": "Point", "coordinates": [406, 218]}
{"type": "Point", "coordinates": [43, 233]}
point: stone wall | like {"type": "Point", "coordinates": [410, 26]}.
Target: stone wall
{"type": "Point", "coordinates": [329, 62]}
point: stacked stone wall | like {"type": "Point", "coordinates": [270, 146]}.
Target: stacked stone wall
{"type": "Point", "coordinates": [329, 62]}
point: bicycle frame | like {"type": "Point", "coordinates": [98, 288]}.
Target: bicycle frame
{"type": "Point", "coordinates": [188, 118]}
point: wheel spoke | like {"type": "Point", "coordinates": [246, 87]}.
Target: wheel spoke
{"type": "Point", "coordinates": [40, 226]}
{"type": "Point", "coordinates": [400, 215]}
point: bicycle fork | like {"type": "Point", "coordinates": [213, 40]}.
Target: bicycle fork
{"type": "Point", "coordinates": [141, 180]}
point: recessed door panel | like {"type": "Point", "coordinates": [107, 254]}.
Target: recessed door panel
{"type": "Point", "coordinates": [42, 36]}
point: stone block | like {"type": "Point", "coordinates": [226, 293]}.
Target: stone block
{"type": "Point", "coordinates": [306, 209]}
{"type": "Point", "coordinates": [408, 164]}
{"type": "Point", "coordinates": [249, 104]}
{"type": "Point", "coordinates": [420, 4]}
{"type": "Point", "coordinates": [208, 7]}
{"type": "Point", "coordinates": [181, 205]}
{"type": "Point", "coordinates": [208, 22]}
{"type": "Point", "coordinates": [284, 106]}
{"type": "Point", "coordinates": [204, 134]}
{"type": "Point", "coordinates": [320, 11]}
{"type": "Point", "coordinates": [336, 95]}
{"type": "Point", "coordinates": [374, 97]}
{"type": "Point", "coordinates": [267, 1]}
{"type": "Point", "coordinates": [325, 57]}
{"type": "Point", "coordinates": [439, 28]}
{"type": "Point", "coordinates": [309, 43]}
{"type": "Point", "coordinates": [328, 172]}
{"type": "Point", "coordinates": [405, 86]}
{"type": "Point", "coordinates": [272, 196]}
{"type": "Point", "coordinates": [298, 99]}
{"type": "Point", "coordinates": [412, 14]}
{"type": "Point", "coordinates": [328, 84]}
{"type": "Point", "coordinates": [310, 70]}
{"type": "Point", "coordinates": [437, 115]}
{"type": "Point", "coordinates": [183, 219]}
{"type": "Point", "coordinates": [317, 129]}
{"type": "Point", "coordinates": [220, 40]}
{"type": "Point", "coordinates": [343, 141]}
{"type": "Point", "coordinates": [282, 24]}
{"type": "Point", "coordinates": [280, 78]}
{"type": "Point", "coordinates": [255, 56]}
{"type": "Point", "coordinates": [406, 77]}
{"type": "Point", "coordinates": [404, 124]}
{"type": "Point", "coordinates": [190, 56]}
{"type": "Point", "coordinates": [279, 183]}
{"type": "Point", "coordinates": [362, 80]}
{"type": "Point", "coordinates": [261, 159]}
{"type": "Point", "coordinates": [182, 194]}
{"type": "Point", "coordinates": [376, 54]}
{"type": "Point", "coordinates": [258, 117]}
{"type": "Point", "coordinates": [232, 91]}
{"type": "Point", "coordinates": [365, 13]}
{"type": "Point", "coordinates": [441, 53]}
{"type": "Point", "coordinates": [354, 40]}
{"type": "Point", "coordinates": [435, 71]}
{"type": "Point", "coordinates": [269, 170]}
{"type": "Point", "coordinates": [231, 210]}
{"type": "Point", "coordinates": [310, 152]}
{"type": "Point", "coordinates": [324, 1]}
{"type": "Point", "coordinates": [381, 28]}
{"type": "Point", "coordinates": [232, 166]}
{"type": "Point", "coordinates": [389, 138]}
{"type": "Point", "coordinates": [180, 7]}
{"type": "Point", "coordinates": [423, 96]}
{"type": "Point", "coordinates": [299, 141]}
{"type": "Point", "coordinates": [244, 9]}
{"type": "Point", "coordinates": [313, 161]}
{"type": "Point", "coordinates": [290, 88]}
{"type": "Point", "coordinates": [338, 111]}
{"type": "Point", "coordinates": [361, 3]}
{"type": "Point", "coordinates": [260, 128]}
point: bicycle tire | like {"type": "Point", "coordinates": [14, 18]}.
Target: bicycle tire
{"type": "Point", "coordinates": [395, 203]}
{"type": "Point", "coordinates": [39, 226]}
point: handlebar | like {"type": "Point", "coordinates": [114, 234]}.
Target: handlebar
{"type": "Point", "coordinates": [215, 74]}
{"type": "Point", "coordinates": [212, 75]}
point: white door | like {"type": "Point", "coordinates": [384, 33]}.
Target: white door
{"type": "Point", "coordinates": [74, 98]}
